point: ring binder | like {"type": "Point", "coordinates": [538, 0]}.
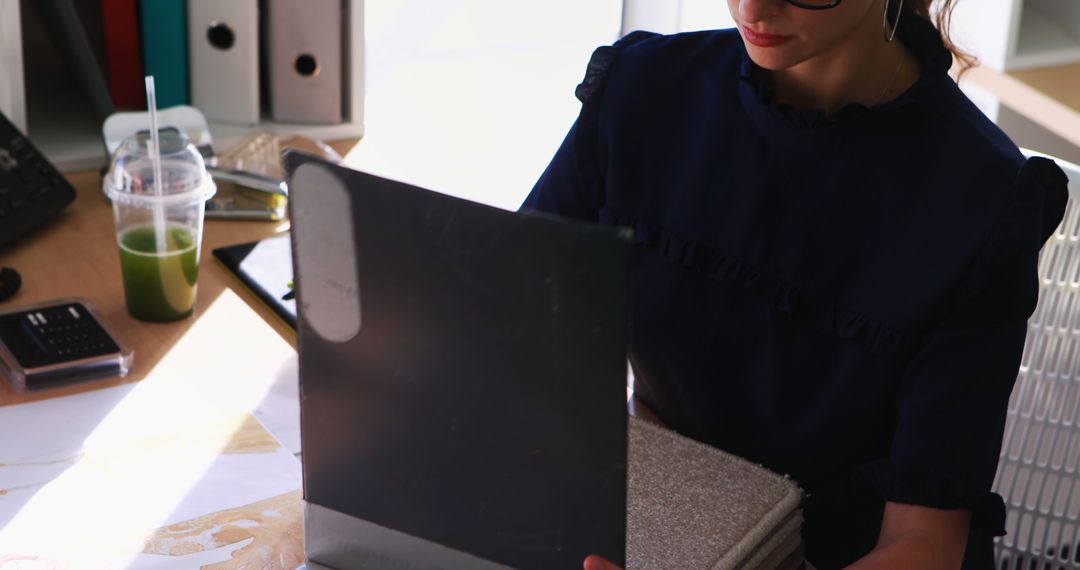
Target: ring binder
{"type": "Point", "coordinates": [224, 46]}
{"type": "Point", "coordinates": [164, 40]}
{"type": "Point", "coordinates": [305, 67]}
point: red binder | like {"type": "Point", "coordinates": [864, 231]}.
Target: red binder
{"type": "Point", "coordinates": [123, 53]}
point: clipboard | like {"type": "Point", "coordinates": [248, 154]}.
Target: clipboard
{"type": "Point", "coordinates": [265, 267]}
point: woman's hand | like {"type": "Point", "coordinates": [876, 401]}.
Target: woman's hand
{"type": "Point", "coordinates": [595, 562]}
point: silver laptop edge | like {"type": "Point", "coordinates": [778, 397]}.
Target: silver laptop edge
{"type": "Point", "coordinates": [342, 542]}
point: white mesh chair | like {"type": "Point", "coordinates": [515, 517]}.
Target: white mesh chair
{"type": "Point", "coordinates": [1039, 471]}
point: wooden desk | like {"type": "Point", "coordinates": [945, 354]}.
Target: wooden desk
{"type": "Point", "coordinates": [77, 256]}
{"type": "Point", "coordinates": [166, 468]}
{"type": "Point", "coordinates": [1049, 97]}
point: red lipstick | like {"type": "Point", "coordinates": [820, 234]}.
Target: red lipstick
{"type": "Point", "coordinates": [764, 40]}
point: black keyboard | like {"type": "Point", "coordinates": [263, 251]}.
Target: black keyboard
{"type": "Point", "coordinates": [32, 191]}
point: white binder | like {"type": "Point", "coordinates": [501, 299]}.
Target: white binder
{"type": "Point", "coordinates": [305, 67]}
{"type": "Point", "coordinates": [12, 86]}
{"type": "Point", "coordinates": [223, 44]}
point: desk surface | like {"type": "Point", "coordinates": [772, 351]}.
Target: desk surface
{"type": "Point", "coordinates": [166, 468]}
{"type": "Point", "coordinates": [1061, 82]}
{"type": "Point", "coordinates": [1049, 97]}
{"type": "Point", "coordinates": [77, 256]}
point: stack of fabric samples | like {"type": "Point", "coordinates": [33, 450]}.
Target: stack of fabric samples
{"type": "Point", "coordinates": [693, 506]}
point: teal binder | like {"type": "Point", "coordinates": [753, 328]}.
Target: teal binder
{"type": "Point", "coordinates": [165, 53]}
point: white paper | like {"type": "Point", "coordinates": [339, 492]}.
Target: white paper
{"type": "Point", "coordinates": [171, 472]}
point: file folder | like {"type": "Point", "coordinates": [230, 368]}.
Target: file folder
{"type": "Point", "coordinates": [223, 37]}
{"type": "Point", "coordinates": [305, 48]}
{"type": "Point", "coordinates": [164, 41]}
{"type": "Point", "coordinates": [64, 27]}
{"type": "Point", "coordinates": [12, 84]}
{"type": "Point", "coordinates": [123, 54]}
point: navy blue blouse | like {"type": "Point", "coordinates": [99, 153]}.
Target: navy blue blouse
{"type": "Point", "coordinates": [842, 299]}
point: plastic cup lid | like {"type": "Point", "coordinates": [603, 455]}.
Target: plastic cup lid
{"type": "Point", "coordinates": [130, 179]}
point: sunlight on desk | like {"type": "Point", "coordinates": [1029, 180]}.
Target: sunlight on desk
{"type": "Point", "coordinates": [170, 472]}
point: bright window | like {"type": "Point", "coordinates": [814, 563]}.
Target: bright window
{"type": "Point", "coordinates": [472, 97]}
{"type": "Point", "coordinates": [670, 16]}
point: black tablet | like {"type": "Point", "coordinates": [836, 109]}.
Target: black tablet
{"type": "Point", "coordinates": [265, 267]}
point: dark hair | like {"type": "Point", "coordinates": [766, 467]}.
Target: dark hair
{"type": "Point", "coordinates": [942, 20]}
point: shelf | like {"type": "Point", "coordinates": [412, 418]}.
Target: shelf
{"type": "Point", "coordinates": [1038, 96]}
{"type": "Point", "coordinates": [68, 148]}
{"type": "Point", "coordinates": [1048, 58]}
{"type": "Point", "coordinates": [64, 127]}
{"type": "Point", "coordinates": [62, 124]}
{"type": "Point", "coordinates": [226, 136]}
{"type": "Point", "coordinates": [1042, 40]}
{"type": "Point", "coordinates": [71, 137]}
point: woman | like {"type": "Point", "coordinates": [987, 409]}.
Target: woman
{"type": "Point", "coordinates": [835, 260]}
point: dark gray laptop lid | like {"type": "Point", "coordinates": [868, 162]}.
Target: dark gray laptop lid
{"type": "Point", "coordinates": [462, 376]}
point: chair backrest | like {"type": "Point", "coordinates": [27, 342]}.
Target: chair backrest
{"type": "Point", "coordinates": [1039, 471]}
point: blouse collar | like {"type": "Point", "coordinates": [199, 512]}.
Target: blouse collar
{"type": "Point", "coordinates": [918, 34]}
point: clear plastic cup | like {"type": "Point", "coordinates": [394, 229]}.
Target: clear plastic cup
{"type": "Point", "coordinates": [159, 234]}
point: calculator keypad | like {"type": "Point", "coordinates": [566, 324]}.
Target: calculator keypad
{"type": "Point", "coordinates": [67, 334]}
{"type": "Point", "coordinates": [52, 345]}
{"type": "Point", "coordinates": [54, 335]}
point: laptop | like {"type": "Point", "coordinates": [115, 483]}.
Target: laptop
{"type": "Point", "coordinates": [462, 378]}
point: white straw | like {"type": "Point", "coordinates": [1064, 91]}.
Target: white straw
{"type": "Point", "coordinates": [155, 157]}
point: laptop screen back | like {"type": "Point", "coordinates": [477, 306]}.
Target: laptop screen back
{"type": "Point", "coordinates": [462, 375]}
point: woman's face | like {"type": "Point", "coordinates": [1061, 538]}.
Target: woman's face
{"type": "Point", "coordinates": [779, 35]}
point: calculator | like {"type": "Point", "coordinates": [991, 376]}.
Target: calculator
{"type": "Point", "coordinates": [58, 343]}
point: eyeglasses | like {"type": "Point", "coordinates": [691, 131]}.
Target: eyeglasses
{"type": "Point", "coordinates": [815, 4]}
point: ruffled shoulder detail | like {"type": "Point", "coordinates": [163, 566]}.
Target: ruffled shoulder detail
{"type": "Point", "coordinates": [921, 486]}
{"type": "Point", "coordinates": [1047, 175]}
{"type": "Point", "coordinates": [786, 298]}
{"type": "Point", "coordinates": [603, 58]}
{"type": "Point", "coordinates": [1034, 209]}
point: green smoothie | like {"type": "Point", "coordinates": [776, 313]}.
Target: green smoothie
{"type": "Point", "coordinates": [159, 286]}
